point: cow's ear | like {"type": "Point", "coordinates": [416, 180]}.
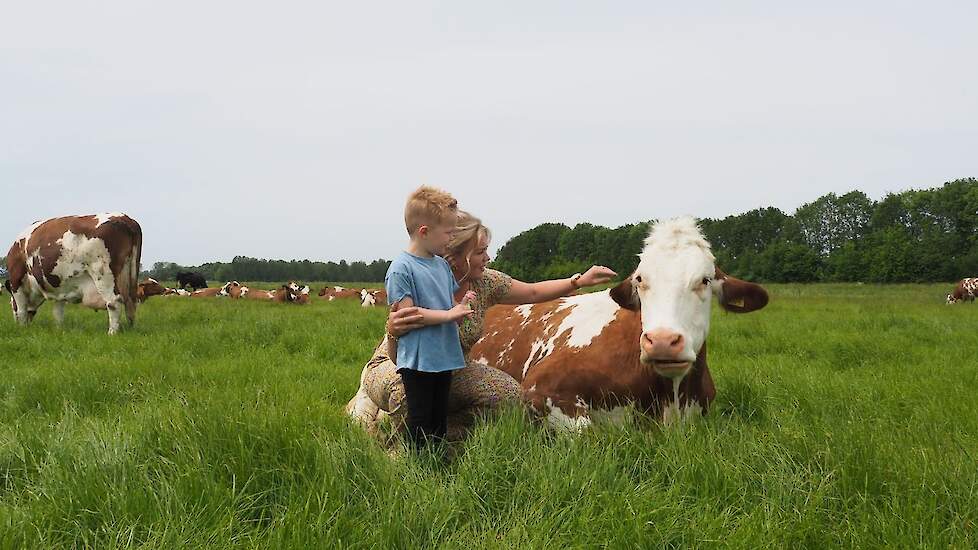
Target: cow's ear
{"type": "Point", "coordinates": [624, 295]}
{"type": "Point", "coordinates": [739, 296]}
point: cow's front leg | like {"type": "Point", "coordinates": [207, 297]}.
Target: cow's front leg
{"type": "Point", "coordinates": [58, 310]}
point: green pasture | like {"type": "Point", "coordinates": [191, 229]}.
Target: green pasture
{"type": "Point", "coordinates": [846, 416]}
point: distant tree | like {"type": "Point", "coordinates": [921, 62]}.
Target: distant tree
{"type": "Point", "coordinates": [917, 235]}
{"type": "Point", "coordinates": [787, 262]}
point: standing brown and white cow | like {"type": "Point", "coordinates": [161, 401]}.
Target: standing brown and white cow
{"type": "Point", "coordinates": [641, 343]}
{"type": "Point", "coordinates": [89, 259]}
{"type": "Point", "coordinates": [966, 290]}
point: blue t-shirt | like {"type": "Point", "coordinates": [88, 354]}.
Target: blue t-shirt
{"type": "Point", "coordinates": [430, 284]}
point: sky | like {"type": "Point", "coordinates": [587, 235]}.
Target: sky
{"type": "Point", "coordinates": [295, 130]}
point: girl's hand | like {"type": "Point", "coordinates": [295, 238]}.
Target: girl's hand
{"type": "Point", "coordinates": [597, 275]}
{"type": "Point", "coordinates": [469, 297]}
{"type": "Point", "coordinates": [402, 321]}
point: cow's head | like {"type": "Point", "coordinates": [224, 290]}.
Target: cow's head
{"type": "Point", "coordinates": [672, 287]}
{"type": "Point", "coordinates": [951, 299]}
{"type": "Point", "coordinates": [149, 287]}
{"type": "Point", "coordinates": [25, 301]}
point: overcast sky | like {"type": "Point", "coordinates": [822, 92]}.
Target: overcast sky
{"type": "Point", "coordinates": [296, 130]}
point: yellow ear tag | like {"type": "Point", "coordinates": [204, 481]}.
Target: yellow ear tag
{"type": "Point", "coordinates": [737, 303]}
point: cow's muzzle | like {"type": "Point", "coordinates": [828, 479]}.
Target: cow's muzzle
{"type": "Point", "coordinates": [663, 349]}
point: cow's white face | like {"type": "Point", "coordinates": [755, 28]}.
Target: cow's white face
{"type": "Point", "coordinates": [673, 284]}
{"type": "Point", "coordinates": [672, 287]}
{"type": "Point", "coordinates": [25, 302]}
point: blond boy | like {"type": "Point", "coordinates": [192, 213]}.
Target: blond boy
{"type": "Point", "coordinates": [419, 276]}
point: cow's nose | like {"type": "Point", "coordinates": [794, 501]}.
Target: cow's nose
{"type": "Point", "coordinates": [663, 343]}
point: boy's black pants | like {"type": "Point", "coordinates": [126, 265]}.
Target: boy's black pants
{"type": "Point", "coordinates": [427, 404]}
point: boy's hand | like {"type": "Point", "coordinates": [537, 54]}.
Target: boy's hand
{"type": "Point", "coordinates": [460, 311]}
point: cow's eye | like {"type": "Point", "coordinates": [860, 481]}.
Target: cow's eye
{"type": "Point", "coordinates": [638, 278]}
{"type": "Point", "coordinates": [706, 281]}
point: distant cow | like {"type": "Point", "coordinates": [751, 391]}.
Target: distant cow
{"type": "Point", "coordinates": [373, 297]}
{"type": "Point", "coordinates": [290, 292]}
{"type": "Point", "coordinates": [252, 293]}
{"type": "Point", "coordinates": [230, 289]}
{"type": "Point", "coordinates": [966, 290]}
{"type": "Point", "coordinates": [301, 292]}
{"type": "Point", "coordinates": [641, 343]}
{"type": "Point", "coordinates": [148, 288]}
{"type": "Point", "coordinates": [89, 259]}
{"type": "Point", "coordinates": [337, 292]}
{"type": "Point", "coordinates": [195, 280]}
{"type": "Point", "coordinates": [175, 292]}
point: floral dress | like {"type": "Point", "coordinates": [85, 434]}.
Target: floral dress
{"type": "Point", "coordinates": [476, 389]}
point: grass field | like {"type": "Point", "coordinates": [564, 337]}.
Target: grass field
{"type": "Point", "coordinates": [846, 415]}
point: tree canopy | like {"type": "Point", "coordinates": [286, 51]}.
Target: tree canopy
{"type": "Point", "coordinates": [913, 236]}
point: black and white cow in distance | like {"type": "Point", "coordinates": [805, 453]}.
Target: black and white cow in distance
{"type": "Point", "coordinates": [90, 259]}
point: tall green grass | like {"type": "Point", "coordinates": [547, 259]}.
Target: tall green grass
{"type": "Point", "coordinates": [846, 416]}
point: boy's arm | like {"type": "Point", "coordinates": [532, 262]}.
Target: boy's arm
{"type": "Point", "coordinates": [428, 317]}
{"type": "Point", "coordinates": [431, 317]}
{"type": "Point", "coordinates": [439, 316]}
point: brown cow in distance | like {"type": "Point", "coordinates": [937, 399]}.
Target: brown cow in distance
{"type": "Point", "coordinates": [642, 343]}
{"type": "Point", "coordinates": [150, 287]}
{"type": "Point", "coordinates": [91, 259]}
{"type": "Point", "coordinates": [966, 290]}
{"type": "Point", "coordinates": [373, 297]}
{"type": "Point", "coordinates": [337, 292]}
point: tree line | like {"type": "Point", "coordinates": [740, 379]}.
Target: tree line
{"type": "Point", "coordinates": [243, 268]}
{"type": "Point", "coordinates": [914, 236]}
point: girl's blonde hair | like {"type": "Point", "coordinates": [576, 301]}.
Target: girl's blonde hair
{"type": "Point", "coordinates": [468, 230]}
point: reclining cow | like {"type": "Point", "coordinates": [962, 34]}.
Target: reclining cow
{"type": "Point", "coordinates": [91, 259]}
{"type": "Point", "coordinates": [230, 289]}
{"type": "Point", "coordinates": [150, 287]}
{"type": "Point", "coordinates": [641, 343]}
{"type": "Point", "coordinates": [338, 292]}
{"type": "Point", "coordinates": [373, 297]}
{"type": "Point", "coordinates": [290, 292]}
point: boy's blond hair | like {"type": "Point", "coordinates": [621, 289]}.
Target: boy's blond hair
{"type": "Point", "coordinates": [429, 206]}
